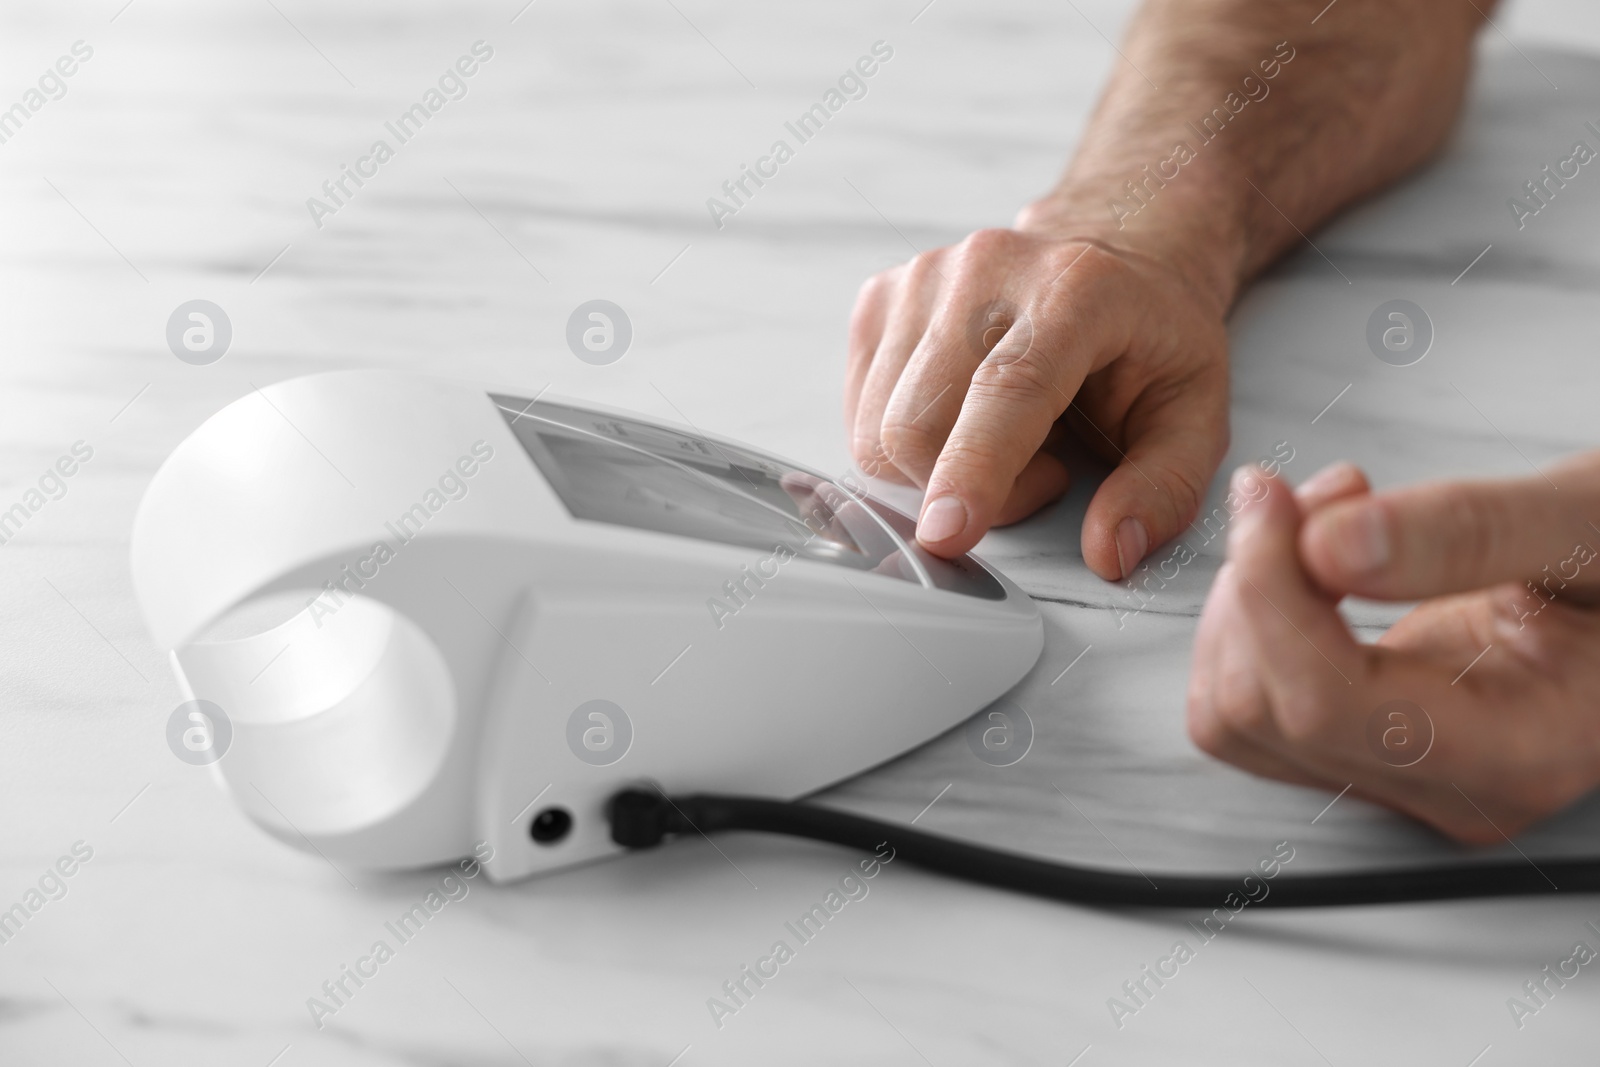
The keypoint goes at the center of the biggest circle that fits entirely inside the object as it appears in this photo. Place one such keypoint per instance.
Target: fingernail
(1328, 477)
(1132, 541)
(1248, 482)
(1358, 538)
(941, 520)
(1335, 480)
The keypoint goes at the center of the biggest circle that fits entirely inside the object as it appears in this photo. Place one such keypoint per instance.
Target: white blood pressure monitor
(436, 615)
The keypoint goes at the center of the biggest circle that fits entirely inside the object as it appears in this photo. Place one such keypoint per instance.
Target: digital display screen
(627, 472)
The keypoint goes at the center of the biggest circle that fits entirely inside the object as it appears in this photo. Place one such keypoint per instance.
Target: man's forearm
(1233, 126)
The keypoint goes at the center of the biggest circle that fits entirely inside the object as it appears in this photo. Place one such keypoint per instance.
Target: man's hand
(964, 361)
(1228, 130)
(1479, 712)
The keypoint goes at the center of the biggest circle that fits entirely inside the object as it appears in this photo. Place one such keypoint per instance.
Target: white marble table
(177, 166)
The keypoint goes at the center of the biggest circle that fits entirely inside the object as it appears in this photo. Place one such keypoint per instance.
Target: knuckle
(1208, 730)
(1014, 370)
(988, 242)
(971, 460)
(1308, 719)
(1240, 705)
(998, 321)
(875, 289)
(922, 269)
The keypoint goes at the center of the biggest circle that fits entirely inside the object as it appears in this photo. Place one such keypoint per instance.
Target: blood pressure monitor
(437, 615)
